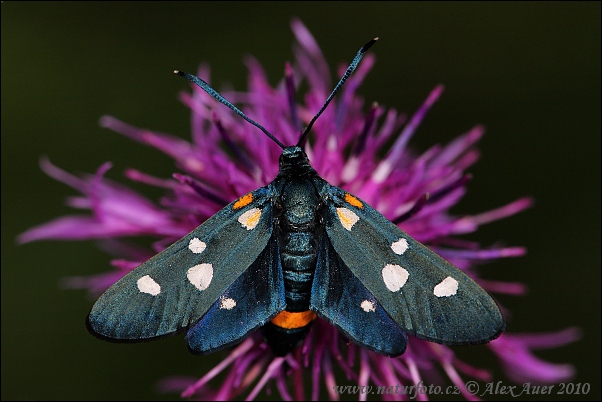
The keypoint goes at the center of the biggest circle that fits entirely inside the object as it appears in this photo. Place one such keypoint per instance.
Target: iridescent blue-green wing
(177, 287)
(338, 296)
(250, 302)
(423, 293)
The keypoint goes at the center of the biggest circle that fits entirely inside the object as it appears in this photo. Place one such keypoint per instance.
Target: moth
(281, 256)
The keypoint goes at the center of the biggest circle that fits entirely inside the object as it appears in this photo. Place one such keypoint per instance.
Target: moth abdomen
(299, 230)
(283, 340)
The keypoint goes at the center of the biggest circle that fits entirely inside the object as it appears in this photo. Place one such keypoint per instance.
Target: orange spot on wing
(243, 201)
(353, 201)
(288, 320)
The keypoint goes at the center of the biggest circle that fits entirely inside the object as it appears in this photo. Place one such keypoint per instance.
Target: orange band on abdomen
(288, 320)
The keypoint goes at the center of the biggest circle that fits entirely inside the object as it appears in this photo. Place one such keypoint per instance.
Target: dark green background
(529, 72)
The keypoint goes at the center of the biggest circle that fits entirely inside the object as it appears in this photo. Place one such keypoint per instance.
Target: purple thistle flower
(227, 158)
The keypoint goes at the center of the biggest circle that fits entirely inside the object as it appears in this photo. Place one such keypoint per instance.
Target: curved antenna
(356, 60)
(215, 95)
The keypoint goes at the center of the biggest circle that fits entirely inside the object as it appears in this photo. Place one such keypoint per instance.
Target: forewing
(176, 287)
(423, 293)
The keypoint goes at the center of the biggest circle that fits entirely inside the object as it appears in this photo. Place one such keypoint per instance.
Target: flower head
(365, 153)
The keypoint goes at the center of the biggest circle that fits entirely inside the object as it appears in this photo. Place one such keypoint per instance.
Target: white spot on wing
(227, 304)
(447, 287)
(395, 277)
(249, 219)
(146, 284)
(200, 275)
(347, 217)
(197, 246)
(400, 246)
(368, 306)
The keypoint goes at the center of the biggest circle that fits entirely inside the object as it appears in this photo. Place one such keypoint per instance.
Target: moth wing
(424, 294)
(176, 287)
(338, 296)
(251, 301)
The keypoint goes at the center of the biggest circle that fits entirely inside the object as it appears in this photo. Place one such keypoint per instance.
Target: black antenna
(215, 95)
(356, 60)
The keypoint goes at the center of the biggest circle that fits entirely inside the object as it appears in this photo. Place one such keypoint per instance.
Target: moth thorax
(299, 201)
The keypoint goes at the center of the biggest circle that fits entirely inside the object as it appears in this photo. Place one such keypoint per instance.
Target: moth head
(294, 162)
